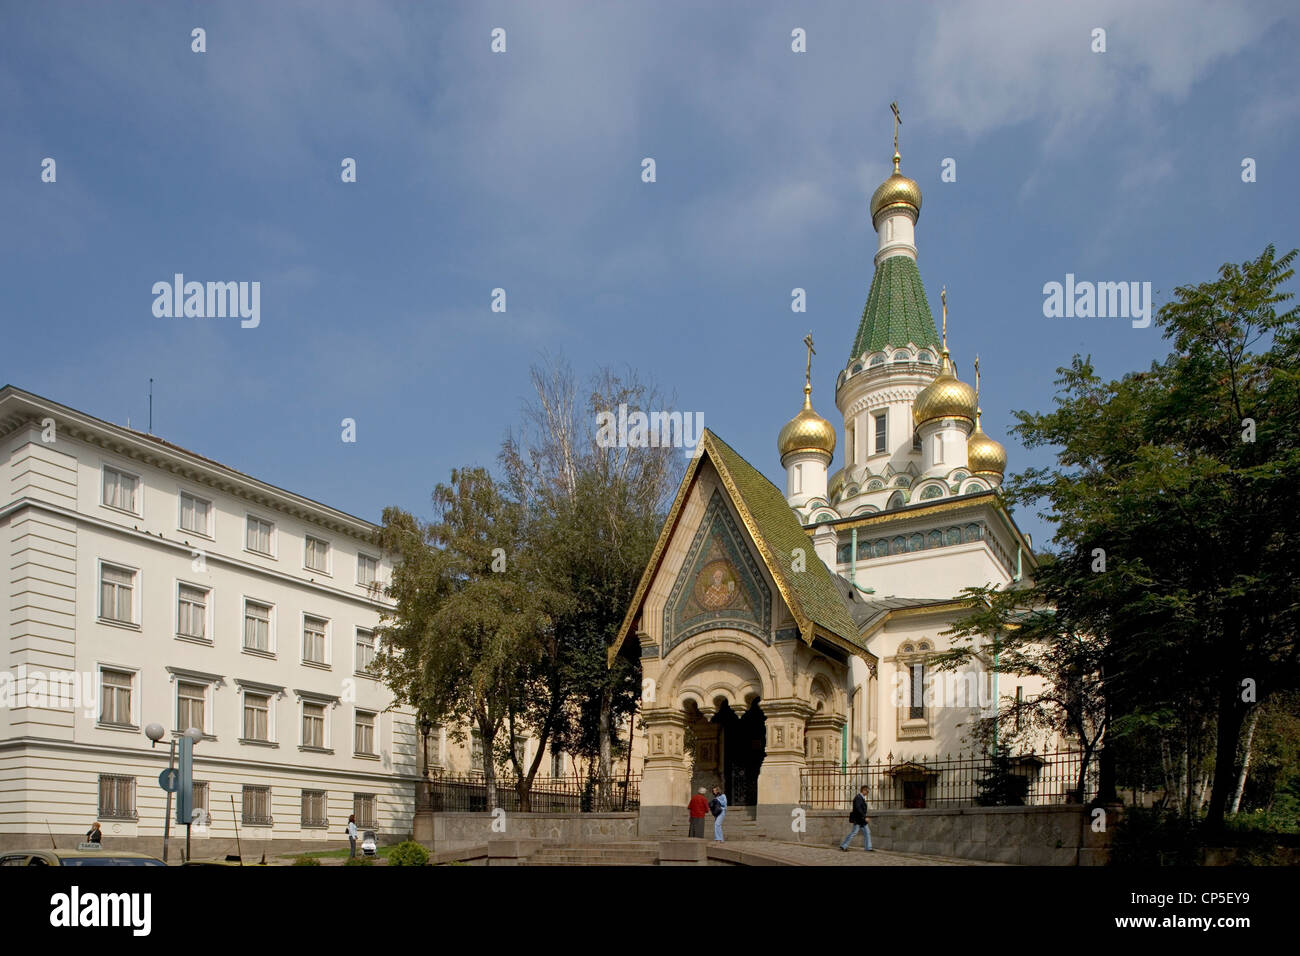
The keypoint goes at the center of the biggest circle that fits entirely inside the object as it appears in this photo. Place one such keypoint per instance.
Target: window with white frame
(363, 806)
(257, 716)
(257, 626)
(314, 809)
(317, 554)
(367, 569)
(115, 688)
(257, 805)
(475, 749)
(313, 725)
(365, 733)
(121, 490)
(259, 536)
(196, 514)
(192, 612)
(117, 586)
(313, 639)
(191, 705)
(200, 810)
(880, 419)
(365, 651)
(116, 797)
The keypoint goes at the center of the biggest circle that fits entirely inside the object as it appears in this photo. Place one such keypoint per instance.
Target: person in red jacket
(699, 808)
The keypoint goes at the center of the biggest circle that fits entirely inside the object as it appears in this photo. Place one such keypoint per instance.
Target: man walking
(699, 809)
(858, 817)
(718, 807)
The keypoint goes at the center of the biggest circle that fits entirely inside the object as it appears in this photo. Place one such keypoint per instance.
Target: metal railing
(896, 783)
(467, 793)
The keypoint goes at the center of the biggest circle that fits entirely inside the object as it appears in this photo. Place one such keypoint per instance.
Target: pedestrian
(858, 817)
(352, 835)
(699, 809)
(95, 834)
(718, 807)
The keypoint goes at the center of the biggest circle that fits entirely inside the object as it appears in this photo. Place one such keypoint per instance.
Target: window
(116, 797)
(895, 501)
(363, 805)
(365, 736)
(938, 448)
(931, 491)
(313, 640)
(313, 725)
(916, 441)
(200, 811)
(365, 651)
(190, 700)
(521, 750)
(557, 763)
(257, 717)
(117, 594)
(259, 536)
(877, 360)
(313, 809)
(115, 696)
(916, 711)
(475, 749)
(257, 806)
(192, 612)
(901, 356)
(317, 554)
(850, 447)
(924, 356)
(1020, 704)
(121, 491)
(196, 514)
(257, 626)
(367, 569)
(880, 432)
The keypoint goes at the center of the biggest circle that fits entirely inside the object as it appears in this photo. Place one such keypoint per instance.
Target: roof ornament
(807, 375)
(898, 120)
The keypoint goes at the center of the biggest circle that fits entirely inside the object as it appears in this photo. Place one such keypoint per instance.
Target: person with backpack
(858, 817)
(718, 807)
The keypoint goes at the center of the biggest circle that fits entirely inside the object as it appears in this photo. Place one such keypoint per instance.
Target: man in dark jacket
(858, 817)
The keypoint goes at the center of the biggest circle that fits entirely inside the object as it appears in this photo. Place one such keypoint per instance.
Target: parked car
(78, 857)
(369, 843)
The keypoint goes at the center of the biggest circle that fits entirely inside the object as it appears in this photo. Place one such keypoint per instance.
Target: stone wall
(1030, 836)
(448, 831)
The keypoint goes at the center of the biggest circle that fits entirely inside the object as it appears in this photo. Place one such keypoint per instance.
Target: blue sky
(522, 171)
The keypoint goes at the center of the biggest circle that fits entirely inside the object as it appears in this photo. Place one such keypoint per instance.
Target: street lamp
(426, 727)
(155, 732)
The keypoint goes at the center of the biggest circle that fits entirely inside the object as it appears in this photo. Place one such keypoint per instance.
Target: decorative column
(779, 780)
(665, 780)
(824, 732)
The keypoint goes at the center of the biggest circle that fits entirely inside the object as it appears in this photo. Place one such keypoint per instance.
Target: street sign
(185, 781)
(169, 780)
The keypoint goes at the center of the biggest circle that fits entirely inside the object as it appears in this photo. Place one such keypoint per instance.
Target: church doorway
(742, 744)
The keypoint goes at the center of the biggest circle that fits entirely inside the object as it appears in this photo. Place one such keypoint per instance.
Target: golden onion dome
(945, 397)
(896, 192)
(983, 454)
(807, 432)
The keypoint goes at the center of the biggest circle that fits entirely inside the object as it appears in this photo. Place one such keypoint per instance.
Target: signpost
(179, 781)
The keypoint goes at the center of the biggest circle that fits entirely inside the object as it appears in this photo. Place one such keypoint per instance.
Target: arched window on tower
(895, 501)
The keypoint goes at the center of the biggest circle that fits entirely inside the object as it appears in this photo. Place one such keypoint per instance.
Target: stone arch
(717, 665)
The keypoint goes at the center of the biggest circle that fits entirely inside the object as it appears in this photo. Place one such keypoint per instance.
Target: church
(786, 631)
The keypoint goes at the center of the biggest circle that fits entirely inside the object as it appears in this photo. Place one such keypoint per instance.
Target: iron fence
(898, 783)
(467, 793)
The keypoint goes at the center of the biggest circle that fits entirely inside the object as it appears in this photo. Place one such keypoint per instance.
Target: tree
(1172, 494)
(1002, 786)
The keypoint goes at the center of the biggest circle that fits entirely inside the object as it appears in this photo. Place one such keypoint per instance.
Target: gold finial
(943, 297)
(978, 410)
(897, 121)
(807, 379)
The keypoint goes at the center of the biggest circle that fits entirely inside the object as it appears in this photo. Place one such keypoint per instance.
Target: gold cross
(977, 377)
(808, 341)
(943, 297)
(897, 120)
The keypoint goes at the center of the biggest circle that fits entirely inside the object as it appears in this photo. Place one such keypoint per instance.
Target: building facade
(783, 631)
(147, 584)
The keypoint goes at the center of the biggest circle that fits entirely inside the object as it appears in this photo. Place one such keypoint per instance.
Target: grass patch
(382, 851)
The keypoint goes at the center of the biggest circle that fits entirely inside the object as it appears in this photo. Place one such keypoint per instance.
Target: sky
(522, 170)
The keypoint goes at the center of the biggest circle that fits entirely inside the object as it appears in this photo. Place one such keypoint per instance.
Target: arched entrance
(742, 743)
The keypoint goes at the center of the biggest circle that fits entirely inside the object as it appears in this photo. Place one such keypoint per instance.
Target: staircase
(738, 827)
(596, 854)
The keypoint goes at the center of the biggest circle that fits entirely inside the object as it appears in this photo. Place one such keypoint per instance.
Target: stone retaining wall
(449, 831)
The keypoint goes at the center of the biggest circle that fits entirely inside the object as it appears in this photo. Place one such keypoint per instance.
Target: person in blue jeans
(858, 817)
(718, 807)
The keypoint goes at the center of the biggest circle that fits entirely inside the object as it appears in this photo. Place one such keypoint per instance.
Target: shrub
(358, 861)
(306, 861)
(409, 853)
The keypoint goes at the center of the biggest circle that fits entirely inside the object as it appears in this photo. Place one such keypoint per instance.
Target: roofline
(144, 445)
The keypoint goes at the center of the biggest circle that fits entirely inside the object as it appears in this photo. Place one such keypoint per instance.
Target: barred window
(115, 696)
(257, 805)
(365, 735)
(257, 626)
(257, 712)
(192, 612)
(313, 640)
(363, 806)
(116, 797)
(199, 809)
(313, 809)
(190, 699)
(916, 710)
(117, 594)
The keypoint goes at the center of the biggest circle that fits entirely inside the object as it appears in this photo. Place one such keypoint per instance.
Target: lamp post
(155, 732)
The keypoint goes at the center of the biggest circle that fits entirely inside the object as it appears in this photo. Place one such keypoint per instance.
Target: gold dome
(896, 192)
(807, 432)
(945, 397)
(983, 454)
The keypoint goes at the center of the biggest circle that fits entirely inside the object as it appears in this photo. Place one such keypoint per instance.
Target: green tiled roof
(896, 312)
(782, 534)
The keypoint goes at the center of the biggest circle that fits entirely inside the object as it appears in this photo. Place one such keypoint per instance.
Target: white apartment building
(146, 584)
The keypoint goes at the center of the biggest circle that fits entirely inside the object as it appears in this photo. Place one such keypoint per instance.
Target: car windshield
(109, 861)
